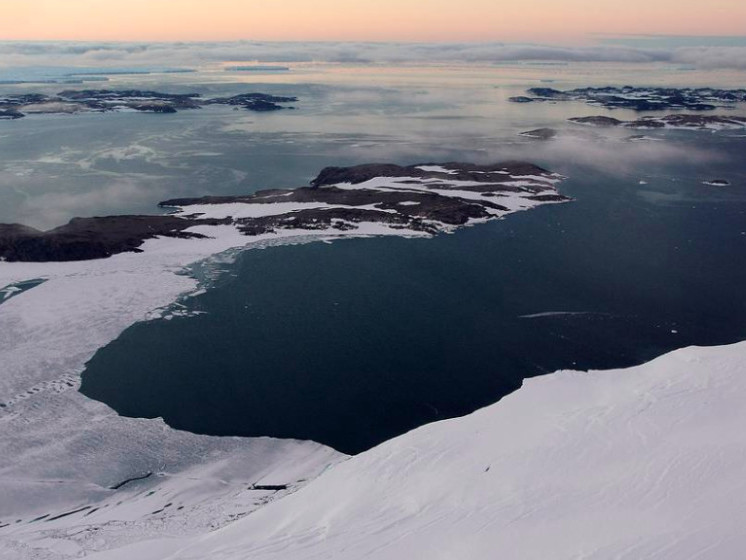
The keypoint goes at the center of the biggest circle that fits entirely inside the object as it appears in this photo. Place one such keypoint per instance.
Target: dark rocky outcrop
(546, 93)
(355, 175)
(640, 98)
(90, 238)
(420, 198)
(521, 99)
(154, 107)
(418, 207)
(706, 122)
(597, 120)
(102, 100)
(25, 99)
(254, 101)
(540, 133)
(9, 114)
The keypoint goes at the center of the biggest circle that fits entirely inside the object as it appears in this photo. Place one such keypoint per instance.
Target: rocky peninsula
(367, 199)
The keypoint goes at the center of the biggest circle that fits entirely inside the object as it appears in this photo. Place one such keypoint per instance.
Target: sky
(570, 21)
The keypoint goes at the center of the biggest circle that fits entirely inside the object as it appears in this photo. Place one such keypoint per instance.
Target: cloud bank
(193, 54)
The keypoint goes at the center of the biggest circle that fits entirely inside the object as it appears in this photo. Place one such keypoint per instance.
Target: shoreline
(54, 433)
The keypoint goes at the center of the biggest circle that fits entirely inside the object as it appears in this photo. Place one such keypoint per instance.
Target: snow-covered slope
(639, 463)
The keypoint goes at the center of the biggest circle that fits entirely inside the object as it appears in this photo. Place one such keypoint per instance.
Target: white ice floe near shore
(63, 453)
(75, 478)
(639, 463)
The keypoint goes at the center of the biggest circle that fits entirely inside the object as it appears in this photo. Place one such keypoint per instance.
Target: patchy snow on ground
(522, 198)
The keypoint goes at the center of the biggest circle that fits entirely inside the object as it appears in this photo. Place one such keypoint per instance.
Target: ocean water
(357, 341)
(56, 167)
(354, 342)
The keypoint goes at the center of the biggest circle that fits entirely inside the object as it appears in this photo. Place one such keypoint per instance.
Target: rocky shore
(424, 199)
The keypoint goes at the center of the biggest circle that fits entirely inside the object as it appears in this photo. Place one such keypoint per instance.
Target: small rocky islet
(540, 133)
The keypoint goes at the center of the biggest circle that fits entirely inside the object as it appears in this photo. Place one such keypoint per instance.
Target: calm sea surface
(354, 342)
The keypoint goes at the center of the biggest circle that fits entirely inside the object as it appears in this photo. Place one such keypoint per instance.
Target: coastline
(130, 441)
(642, 462)
(73, 460)
(131, 287)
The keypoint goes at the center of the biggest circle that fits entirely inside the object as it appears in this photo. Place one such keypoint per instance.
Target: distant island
(366, 199)
(679, 120)
(540, 133)
(640, 98)
(104, 100)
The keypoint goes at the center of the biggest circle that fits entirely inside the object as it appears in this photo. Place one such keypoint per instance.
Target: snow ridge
(639, 463)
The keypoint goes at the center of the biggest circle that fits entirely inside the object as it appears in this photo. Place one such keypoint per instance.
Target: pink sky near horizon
(358, 20)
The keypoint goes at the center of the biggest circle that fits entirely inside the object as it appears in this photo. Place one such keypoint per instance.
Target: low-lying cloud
(52, 209)
(191, 54)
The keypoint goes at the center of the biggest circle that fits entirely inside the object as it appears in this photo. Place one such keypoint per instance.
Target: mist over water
(55, 167)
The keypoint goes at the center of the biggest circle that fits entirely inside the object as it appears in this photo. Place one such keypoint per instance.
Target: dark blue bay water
(355, 342)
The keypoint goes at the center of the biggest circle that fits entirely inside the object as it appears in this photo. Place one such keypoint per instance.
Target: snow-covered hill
(638, 463)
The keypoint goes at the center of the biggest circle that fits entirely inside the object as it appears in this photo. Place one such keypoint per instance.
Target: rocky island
(540, 133)
(9, 114)
(103, 100)
(640, 98)
(367, 199)
(677, 121)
